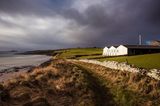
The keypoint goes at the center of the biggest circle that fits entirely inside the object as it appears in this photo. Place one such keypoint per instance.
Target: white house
(130, 50)
(112, 51)
(122, 50)
(115, 51)
(105, 51)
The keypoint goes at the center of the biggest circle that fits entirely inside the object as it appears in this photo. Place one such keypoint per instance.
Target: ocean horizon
(9, 60)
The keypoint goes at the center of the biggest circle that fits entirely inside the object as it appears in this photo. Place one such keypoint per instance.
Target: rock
(154, 73)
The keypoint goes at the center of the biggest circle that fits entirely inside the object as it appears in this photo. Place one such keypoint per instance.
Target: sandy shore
(13, 72)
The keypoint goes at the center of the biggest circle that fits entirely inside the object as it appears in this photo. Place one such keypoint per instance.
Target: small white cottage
(105, 51)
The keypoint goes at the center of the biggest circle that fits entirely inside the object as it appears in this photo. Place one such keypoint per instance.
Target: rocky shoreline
(15, 69)
(9, 73)
(12, 72)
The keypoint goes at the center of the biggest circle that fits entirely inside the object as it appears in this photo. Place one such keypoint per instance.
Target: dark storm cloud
(33, 7)
(100, 23)
(120, 22)
(154, 12)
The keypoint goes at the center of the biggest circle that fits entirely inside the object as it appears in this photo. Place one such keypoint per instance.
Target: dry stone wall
(154, 73)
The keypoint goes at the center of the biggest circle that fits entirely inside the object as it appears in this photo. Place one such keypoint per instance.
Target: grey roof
(142, 46)
(138, 46)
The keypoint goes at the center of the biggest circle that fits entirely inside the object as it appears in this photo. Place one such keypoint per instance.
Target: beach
(14, 65)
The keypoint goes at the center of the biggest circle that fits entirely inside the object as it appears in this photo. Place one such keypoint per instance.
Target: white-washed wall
(154, 73)
(122, 50)
(105, 51)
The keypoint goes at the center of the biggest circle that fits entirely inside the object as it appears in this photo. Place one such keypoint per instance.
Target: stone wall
(154, 73)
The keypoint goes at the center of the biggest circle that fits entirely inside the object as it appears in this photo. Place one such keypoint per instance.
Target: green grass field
(78, 53)
(147, 61)
(143, 61)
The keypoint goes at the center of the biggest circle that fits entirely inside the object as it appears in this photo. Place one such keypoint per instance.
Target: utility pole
(140, 40)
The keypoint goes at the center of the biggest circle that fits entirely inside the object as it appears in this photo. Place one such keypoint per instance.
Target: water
(9, 60)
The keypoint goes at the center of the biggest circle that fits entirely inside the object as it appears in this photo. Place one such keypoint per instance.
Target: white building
(130, 50)
(122, 50)
(112, 51)
(115, 51)
(105, 51)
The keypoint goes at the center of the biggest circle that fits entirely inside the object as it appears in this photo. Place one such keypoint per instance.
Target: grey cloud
(127, 19)
(34, 7)
(109, 22)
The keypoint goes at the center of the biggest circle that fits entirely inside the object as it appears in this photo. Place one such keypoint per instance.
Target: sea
(13, 59)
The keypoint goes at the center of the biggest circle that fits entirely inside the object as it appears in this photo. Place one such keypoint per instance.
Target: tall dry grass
(59, 83)
(129, 89)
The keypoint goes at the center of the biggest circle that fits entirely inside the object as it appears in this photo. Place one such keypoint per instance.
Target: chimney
(140, 40)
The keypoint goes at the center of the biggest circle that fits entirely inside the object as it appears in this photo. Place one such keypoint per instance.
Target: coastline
(62, 81)
(59, 83)
(13, 72)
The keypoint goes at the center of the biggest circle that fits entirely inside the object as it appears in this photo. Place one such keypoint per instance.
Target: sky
(54, 24)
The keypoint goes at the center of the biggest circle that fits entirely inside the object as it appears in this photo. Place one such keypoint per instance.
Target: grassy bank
(55, 83)
(127, 89)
